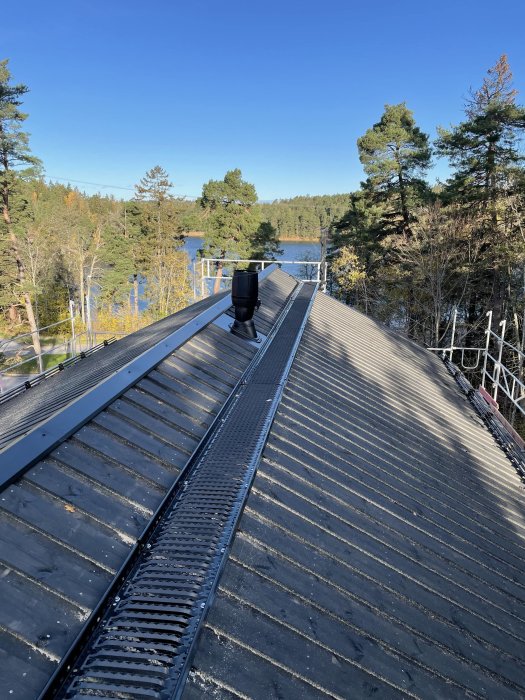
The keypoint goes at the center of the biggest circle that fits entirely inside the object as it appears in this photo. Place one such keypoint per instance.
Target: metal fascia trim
(39, 442)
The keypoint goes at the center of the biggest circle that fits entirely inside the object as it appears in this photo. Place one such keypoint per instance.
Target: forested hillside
(302, 218)
(117, 257)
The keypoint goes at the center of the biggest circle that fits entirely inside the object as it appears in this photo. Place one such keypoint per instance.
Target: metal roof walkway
(142, 646)
(81, 487)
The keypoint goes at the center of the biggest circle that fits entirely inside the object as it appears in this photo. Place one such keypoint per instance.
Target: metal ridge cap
(36, 444)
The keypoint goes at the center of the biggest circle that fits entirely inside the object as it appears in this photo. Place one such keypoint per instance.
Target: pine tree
(230, 219)
(484, 151)
(163, 234)
(16, 162)
(155, 188)
(485, 147)
(395, 155)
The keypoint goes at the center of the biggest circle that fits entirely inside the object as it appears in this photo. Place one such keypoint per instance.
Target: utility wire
(101, 184)
(281, 200)
(84, 182)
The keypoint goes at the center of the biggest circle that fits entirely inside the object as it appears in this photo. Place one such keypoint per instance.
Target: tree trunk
(411, 313)
(490, 188)
(136, 295)
(437, 326)
(404, 209)
(402, 192)
(82, 293)
(498, 296)
(14, 314)
(217, 285)
(34, 330)
(21, 278)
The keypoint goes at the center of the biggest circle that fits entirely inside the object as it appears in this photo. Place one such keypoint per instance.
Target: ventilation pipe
(245, 299)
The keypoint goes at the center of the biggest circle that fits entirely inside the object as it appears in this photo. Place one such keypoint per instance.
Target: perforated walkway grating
(143, 645)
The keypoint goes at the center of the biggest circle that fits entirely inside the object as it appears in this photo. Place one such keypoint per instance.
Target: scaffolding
(501, 364)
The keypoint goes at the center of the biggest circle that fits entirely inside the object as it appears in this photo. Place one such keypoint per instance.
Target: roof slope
(28, 409)
(24, 411)
(68, 524)
(381, 550)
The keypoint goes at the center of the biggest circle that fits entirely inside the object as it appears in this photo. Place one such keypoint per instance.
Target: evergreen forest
(401, 248)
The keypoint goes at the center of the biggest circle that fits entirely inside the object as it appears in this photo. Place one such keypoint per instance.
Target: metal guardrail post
(88, 315)
(453, 332)
(502, 378)
(487, 343)
(325, 276)
(503, 325)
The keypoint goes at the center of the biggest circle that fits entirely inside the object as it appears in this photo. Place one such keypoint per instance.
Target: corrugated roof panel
(382, 547)
(26, 410)
(68, 524)
(166, 589)
(22, 666)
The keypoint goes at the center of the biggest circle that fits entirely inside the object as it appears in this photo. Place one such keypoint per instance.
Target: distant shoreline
(293, 239)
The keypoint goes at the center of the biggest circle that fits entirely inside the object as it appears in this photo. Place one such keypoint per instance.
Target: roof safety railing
(77, 345)
(37, 378)
(313, 270)
(503, 368)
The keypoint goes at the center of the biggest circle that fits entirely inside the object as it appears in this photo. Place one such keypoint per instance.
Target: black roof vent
(245, 299)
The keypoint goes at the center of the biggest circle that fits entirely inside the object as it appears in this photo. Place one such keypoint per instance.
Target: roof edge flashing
(503, 433)
(21, 455)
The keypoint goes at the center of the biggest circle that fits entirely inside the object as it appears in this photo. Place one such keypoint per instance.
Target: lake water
(292, 251)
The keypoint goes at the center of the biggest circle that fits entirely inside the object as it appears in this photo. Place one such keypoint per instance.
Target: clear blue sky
(281, 89)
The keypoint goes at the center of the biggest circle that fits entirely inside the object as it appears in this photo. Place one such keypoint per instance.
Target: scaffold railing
(312, 270)
(501, 364)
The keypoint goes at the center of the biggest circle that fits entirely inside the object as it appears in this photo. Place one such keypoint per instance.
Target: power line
(114, 187)
(286, 201)
(85, 182)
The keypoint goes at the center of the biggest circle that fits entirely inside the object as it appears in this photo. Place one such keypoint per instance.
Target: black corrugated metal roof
(380, 553)
(68, 524)
(381, 550)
